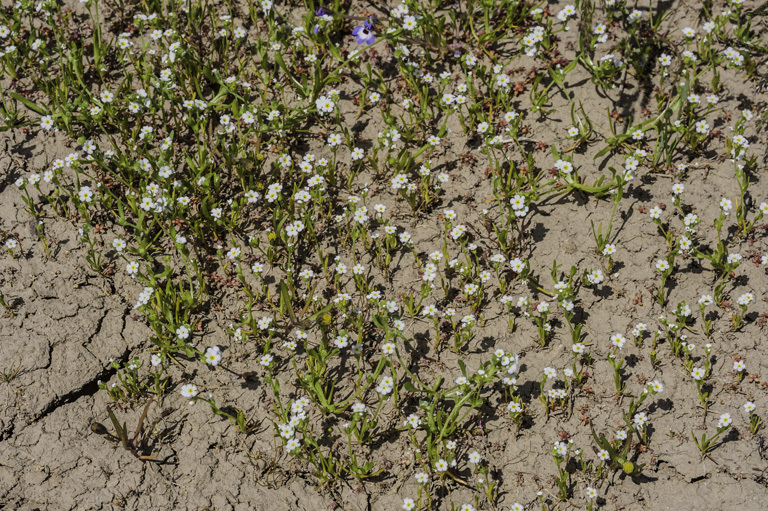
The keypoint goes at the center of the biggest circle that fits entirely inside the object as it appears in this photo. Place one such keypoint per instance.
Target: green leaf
(606, 150)
(281, 63)
(319, 313)
(320, 393)
(120, 430)
(409, 387)
(32, 106)
(377, 320)
(463, 367)
(285, 302)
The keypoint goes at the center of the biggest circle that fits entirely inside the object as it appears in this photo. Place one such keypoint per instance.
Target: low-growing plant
(136, 445)
(708, 444)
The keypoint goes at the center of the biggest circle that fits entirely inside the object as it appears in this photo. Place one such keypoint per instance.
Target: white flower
(702, 127)
(85, 194)
(264, 323)
(182, 332)
(413, 421)
(564, 166)
(409, 23)
(189, 390)
(118, 244)
(561, 448)
(385, 385)
(595, 276)
(517, 265)
(518, 202)
(46, 122)
(213, 355)
(292, 444)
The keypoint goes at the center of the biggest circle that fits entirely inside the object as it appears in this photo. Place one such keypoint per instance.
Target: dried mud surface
(68, 323)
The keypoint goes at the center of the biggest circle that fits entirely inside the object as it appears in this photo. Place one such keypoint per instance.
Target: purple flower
(364, 33)
(319, 13)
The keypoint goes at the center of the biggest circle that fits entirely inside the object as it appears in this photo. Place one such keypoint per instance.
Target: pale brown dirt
(69, 322)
